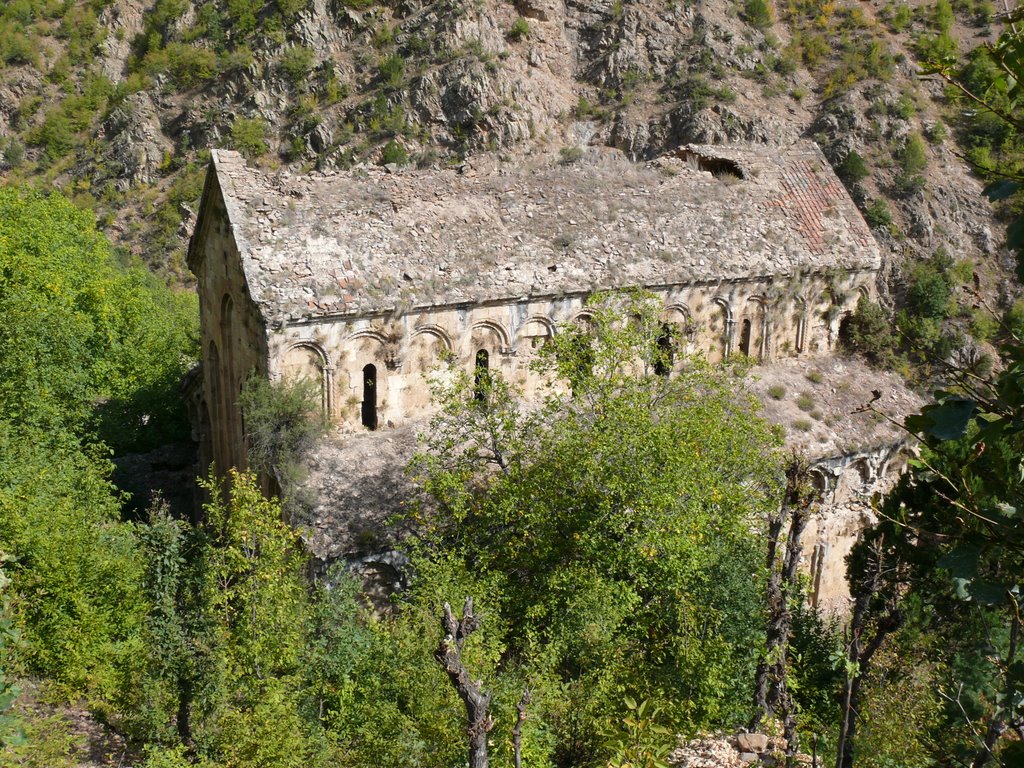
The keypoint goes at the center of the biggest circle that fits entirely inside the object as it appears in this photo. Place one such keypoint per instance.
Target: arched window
(481, 375)
(665, 352)
(370, 397)
(745, 337)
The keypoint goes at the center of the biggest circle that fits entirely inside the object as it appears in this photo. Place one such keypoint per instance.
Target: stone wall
(760, 317)
(234, 340)
(848, 484)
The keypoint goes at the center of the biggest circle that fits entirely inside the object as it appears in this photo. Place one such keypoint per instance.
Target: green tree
(75, 567)
(948, 553)
(79, 331)
(615, 522)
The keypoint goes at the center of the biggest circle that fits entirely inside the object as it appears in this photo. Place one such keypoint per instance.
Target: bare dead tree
(771, 694)
(517, 729)
(476, 700)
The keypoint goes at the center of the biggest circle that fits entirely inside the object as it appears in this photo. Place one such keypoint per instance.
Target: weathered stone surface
(751, 742)
(374, 240)
(136, 146)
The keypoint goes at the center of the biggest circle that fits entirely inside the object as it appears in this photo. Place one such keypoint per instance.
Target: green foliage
(394, 152)
(758, 14)
(877, 214)
(249, 136)
(654, 464)
(638, 740)
(869, 331)
(11, 733)
(913, 159)
(392, 71)
(519, 30)
(79, 330)
(297, 62)
(242, 16)
(964, 494)
(283, 420)
(853, 169)
(187, 66)
(75, 567)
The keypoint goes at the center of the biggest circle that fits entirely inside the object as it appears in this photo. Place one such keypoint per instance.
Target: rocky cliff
(118, 101)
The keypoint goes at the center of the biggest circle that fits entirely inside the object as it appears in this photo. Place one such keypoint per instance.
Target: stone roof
(379, 239)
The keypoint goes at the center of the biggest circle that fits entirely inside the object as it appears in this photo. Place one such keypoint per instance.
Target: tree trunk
(770, 692)
(475, 699)
(858, 660)
(517, 729)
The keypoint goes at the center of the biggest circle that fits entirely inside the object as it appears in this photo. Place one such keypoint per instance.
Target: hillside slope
(116, 101)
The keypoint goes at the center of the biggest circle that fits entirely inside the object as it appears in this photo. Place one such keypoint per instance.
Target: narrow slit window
(481, 374)
(745, 338)
(370, 397)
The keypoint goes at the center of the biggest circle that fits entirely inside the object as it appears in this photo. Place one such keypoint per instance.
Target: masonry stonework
(370, 281)
(366, 281)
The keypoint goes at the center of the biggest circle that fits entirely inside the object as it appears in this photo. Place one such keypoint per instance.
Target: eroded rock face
(136, 145)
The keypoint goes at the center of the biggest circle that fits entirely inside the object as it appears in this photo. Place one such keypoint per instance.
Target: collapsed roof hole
(717, 166)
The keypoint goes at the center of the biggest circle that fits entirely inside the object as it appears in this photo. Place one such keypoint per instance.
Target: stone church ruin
(365, 280)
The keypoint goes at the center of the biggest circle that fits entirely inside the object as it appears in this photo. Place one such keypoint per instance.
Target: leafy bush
(609, 463)
(877, 214)
(394, 152)
(186, 65)
(758, 14)
(283, 420)
(520, 29)
(868, 331)
(853, 169)
(79, 330)
(392, 71)
(297, 62)
(930, 288)
(249, 136)
(76, 568)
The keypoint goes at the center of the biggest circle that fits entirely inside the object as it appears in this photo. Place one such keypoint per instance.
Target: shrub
(815, 377)
(297, 62)
(758, 14)
(14, 153)
(929, 289)
(868, 331)
(55, 135)
(776, 392)
(283, 421)
(914, 156)
(936, 133)
(394, 152)
(570, 155)
(1015, 319)
(186, 65)
(803, 425)
(392, 71)
(853, 168)
(249, 136)
(905, 107)
(877, 214)
(805, 401)
(520, 28)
